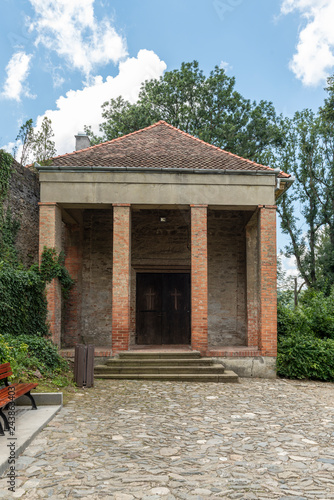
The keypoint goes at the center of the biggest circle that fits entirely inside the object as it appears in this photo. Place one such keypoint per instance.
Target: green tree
(207, 107)
(43, 145)
(25, 137)
(307, 210)
(36, 145)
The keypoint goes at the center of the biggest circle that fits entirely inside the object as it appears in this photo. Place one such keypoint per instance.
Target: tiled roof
(159, 146)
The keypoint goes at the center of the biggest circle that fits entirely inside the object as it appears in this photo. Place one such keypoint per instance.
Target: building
(170, 241)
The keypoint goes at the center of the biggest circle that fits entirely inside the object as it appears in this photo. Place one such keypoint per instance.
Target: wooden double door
(163, 308)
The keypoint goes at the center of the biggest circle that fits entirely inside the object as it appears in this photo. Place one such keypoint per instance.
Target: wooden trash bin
(84, 365)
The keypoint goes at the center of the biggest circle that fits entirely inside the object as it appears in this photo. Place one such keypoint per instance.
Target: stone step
(159, 355)
(163, 365)
(159, 362)
(108, 369)
(227, 376)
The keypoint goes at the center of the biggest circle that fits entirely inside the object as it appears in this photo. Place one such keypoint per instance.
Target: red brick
(121, 278)
(199, 278)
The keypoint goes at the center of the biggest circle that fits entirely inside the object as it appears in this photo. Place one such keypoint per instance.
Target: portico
(167, 238)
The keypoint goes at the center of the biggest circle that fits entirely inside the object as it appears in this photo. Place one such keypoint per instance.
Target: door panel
(149, 309)
(163, 308)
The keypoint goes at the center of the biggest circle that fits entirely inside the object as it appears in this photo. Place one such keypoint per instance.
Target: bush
(314, 315)
(319, 311)
(291, 321)
(302, 356)
(28, 353)
(13, 353)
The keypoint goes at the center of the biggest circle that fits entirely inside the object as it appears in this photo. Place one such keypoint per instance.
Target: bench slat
(5, 371)
(20, 390)
(13, 391)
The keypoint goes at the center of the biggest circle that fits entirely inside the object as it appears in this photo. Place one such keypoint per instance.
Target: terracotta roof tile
(159, 146)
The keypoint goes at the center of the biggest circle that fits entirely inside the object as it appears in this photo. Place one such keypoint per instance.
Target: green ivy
(8, 225)
(6, 161)
(9, 228)
(53, 266)
(23, 306)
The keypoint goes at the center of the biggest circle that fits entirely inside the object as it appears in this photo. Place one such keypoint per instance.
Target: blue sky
(64, 58)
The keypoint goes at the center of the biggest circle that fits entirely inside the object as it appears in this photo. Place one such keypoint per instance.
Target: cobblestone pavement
(125, 440)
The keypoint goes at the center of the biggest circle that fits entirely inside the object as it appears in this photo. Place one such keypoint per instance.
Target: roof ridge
(172, 127)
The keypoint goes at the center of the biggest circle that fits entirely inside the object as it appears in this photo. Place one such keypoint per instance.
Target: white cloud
(290, 272)
(70, 28)
(289, 266)
(314, 57)
(8, 147)
(83, 107)
(225, 66)
(17, 71)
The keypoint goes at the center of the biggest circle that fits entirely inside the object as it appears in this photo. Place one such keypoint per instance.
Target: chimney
(81, 141)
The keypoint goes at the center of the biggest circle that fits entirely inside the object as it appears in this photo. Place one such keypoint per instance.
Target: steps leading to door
(182, 366)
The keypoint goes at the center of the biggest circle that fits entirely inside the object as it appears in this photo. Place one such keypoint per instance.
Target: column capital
(273, 207)
(121, 205)
(47, 203)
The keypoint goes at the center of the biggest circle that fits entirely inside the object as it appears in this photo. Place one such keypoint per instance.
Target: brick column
(121, 278)
(199, 278)
(50, 236)
(267, 281)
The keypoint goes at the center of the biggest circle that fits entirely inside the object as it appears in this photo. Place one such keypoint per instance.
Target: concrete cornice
(85, 168)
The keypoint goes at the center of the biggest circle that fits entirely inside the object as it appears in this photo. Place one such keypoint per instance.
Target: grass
(60, 382)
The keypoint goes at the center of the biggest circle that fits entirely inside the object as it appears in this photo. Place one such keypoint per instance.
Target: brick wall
(97, 277)
(253, 302)
(227, 277)
(71, 317)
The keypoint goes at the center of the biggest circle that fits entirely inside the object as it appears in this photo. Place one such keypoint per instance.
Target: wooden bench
(11, 392)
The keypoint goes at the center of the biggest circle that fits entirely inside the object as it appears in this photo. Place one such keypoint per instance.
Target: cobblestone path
(123, 440)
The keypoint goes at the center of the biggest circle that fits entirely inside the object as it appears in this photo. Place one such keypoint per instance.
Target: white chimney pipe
(81, 141)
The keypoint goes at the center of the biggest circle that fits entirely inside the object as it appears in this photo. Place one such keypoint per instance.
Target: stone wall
(23, 201)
